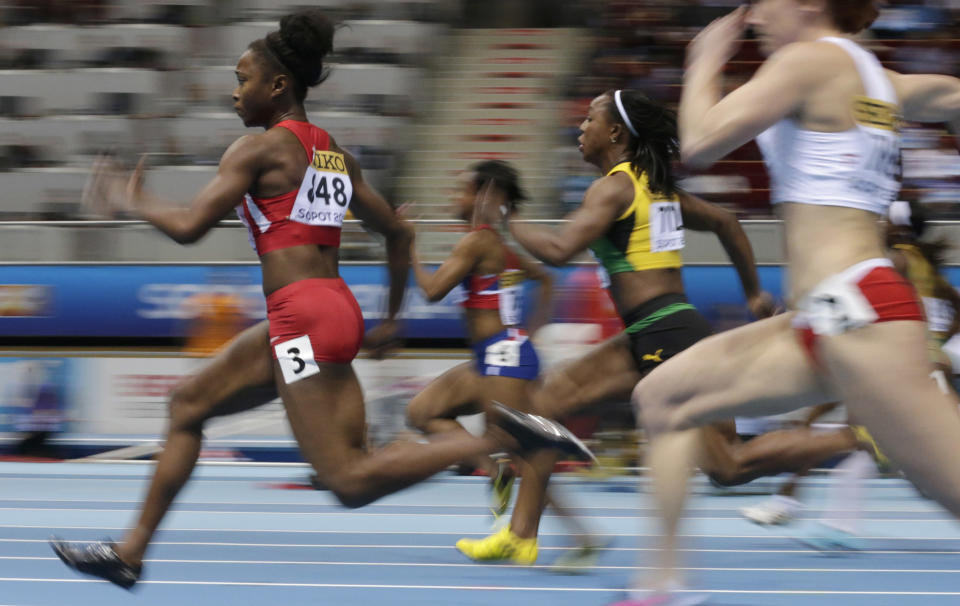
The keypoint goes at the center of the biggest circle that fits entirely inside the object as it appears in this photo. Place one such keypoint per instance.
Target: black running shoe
(535, 432)
(97, 559)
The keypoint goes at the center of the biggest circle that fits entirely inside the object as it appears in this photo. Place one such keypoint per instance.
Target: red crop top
(503, 291)
(312, 214)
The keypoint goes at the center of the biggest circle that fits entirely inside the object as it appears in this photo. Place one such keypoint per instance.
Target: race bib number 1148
(325, 192)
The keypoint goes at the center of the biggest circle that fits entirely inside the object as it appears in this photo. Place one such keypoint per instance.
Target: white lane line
(450, 546)
(540, 567)
(732, 507)
(767, 536)
(356, 514)
(492, 587)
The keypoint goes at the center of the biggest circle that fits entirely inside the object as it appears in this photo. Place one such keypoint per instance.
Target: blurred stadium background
(94, 314)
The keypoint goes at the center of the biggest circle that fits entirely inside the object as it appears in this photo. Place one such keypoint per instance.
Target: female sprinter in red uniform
(293, 184)
(493, 277)
(827, 117)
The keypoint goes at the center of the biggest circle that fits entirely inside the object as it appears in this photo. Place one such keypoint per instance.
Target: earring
(613, 140)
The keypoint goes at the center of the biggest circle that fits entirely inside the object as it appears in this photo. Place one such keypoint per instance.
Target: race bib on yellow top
(666, 227)
(325, 192)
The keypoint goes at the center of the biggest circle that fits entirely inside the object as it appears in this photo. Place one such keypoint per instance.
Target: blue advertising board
(151, 300)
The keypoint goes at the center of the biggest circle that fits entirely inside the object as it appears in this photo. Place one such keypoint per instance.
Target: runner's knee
(351, 488)
(556, 397)
(418, 415)
(729, 473)
(652, 405)
(187, 405)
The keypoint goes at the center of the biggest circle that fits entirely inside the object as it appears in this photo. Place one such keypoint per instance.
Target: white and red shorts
(312, 321)
(866, 293)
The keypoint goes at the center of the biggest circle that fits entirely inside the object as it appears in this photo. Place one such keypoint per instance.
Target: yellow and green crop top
(648, 235)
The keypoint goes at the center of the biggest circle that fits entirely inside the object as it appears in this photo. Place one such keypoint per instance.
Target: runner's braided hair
(655, 147)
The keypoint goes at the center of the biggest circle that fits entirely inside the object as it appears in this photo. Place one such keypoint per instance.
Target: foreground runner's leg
(839, 526)
(239, 377)
(720, 377)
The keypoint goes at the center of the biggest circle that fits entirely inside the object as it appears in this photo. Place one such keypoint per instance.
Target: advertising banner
(117, 396)
(34, 394)
(156, 300)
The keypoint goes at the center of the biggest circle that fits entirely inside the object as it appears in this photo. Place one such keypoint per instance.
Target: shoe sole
(59, 546)
(564, 442)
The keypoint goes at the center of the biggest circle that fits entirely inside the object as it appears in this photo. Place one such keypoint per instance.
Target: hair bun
(309, 36)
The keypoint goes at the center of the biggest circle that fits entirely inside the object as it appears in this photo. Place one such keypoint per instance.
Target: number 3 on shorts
(296, 359)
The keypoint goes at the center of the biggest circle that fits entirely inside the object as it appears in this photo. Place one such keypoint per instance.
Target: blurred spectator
(640, 44)
(180, 68)
(76, 12)
(173, 73)
(218, 314)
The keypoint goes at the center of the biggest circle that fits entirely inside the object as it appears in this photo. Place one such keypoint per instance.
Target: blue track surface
(236, 539)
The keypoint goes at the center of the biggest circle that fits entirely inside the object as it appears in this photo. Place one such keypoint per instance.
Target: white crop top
(857, 168)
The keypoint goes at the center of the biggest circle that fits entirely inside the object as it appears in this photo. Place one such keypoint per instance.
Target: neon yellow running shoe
(502, 546)
(870, 445)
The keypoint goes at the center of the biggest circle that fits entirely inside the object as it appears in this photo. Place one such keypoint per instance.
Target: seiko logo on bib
(329, 161)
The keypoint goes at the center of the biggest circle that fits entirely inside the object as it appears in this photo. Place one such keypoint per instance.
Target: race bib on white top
(666, 227)
(325, 192)
(836, 306)
(511, 297)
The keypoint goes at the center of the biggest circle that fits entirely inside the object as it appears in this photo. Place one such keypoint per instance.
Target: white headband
(899, 213)
(623, 114)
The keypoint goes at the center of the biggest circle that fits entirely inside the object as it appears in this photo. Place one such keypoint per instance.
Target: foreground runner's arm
(712, 124)
(435, 285)
(239, 166)
(544, 308)
(700, 215)
(377, 214)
